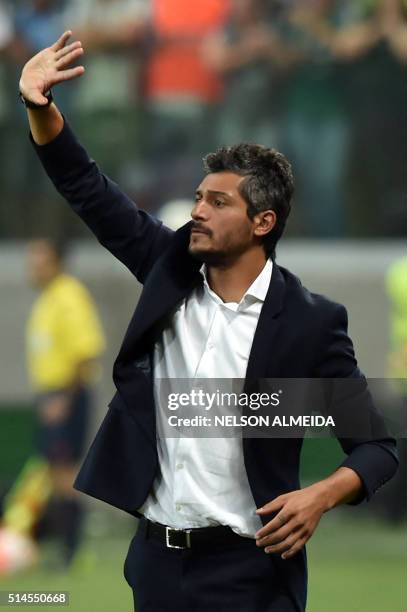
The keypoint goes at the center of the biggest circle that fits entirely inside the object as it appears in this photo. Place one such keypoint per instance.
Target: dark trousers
(239, 577)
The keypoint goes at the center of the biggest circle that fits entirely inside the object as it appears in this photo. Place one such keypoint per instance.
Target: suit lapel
(173, 277)
(263, 355)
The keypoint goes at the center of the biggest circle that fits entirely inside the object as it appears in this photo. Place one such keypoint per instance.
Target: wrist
(325, 494)
(341, 487)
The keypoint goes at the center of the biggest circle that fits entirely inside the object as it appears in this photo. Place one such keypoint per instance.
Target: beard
(216, 252)
(211, 258)
(219, 258)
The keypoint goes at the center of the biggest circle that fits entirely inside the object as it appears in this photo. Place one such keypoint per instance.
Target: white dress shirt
(203, 481)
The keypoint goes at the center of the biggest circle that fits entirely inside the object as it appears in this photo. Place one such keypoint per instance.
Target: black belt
(197, 538)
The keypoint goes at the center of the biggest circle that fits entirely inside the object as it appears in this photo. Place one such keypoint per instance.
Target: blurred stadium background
(168, 80)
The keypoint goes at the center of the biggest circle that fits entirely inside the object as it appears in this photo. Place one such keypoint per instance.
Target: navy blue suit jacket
(299, 335)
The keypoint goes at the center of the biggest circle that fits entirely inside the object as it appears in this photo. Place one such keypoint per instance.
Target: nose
(200, 211)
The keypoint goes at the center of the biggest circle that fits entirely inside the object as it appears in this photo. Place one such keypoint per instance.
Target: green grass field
(354, 566)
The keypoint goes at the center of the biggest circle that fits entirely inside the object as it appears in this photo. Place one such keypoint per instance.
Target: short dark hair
(269, 182)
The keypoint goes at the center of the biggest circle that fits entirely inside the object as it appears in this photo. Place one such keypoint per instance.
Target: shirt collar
(259, 287)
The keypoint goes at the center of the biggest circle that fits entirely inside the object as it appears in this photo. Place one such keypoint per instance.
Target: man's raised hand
(50, 67)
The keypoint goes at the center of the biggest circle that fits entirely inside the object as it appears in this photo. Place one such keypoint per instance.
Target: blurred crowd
(324, 81)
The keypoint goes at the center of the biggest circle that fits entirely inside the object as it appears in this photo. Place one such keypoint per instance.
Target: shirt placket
(202, 371)
(209, 345)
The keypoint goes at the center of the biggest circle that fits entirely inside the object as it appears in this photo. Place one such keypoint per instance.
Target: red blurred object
(180, 17)
(175, 67)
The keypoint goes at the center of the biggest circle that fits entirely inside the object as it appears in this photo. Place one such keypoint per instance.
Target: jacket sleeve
(371, 450)
(132, 235)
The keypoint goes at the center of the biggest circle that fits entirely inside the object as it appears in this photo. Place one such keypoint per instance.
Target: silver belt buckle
(167, 538)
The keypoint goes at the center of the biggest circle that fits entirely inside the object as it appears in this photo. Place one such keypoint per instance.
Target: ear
(264, 222)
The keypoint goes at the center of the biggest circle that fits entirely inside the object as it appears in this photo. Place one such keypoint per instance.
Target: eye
(197, 197)
(219, 203)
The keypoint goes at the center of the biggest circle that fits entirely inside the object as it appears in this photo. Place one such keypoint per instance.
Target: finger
(72, 73)
(69, 58)
(277, 536)
(280, 519)
(285, 545)
(295, 548)
(272, 506)
(67, 49)
(60, 43)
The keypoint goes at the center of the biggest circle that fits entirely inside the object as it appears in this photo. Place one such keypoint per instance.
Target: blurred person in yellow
(396, 285)
(64, 340)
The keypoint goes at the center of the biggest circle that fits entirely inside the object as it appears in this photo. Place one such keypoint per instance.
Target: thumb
(32, 93)
(36, 96)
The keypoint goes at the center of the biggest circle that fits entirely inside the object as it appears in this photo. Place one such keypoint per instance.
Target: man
(64, 342)
(200, 543)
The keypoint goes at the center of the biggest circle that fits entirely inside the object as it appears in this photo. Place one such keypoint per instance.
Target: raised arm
(43, 71)
(347, 42)
(132, 235)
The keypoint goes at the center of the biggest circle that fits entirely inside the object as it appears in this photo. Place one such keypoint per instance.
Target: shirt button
(210, 346)
(178, 507)
(180, 466)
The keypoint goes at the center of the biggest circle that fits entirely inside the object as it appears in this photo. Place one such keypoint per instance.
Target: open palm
(49, 67)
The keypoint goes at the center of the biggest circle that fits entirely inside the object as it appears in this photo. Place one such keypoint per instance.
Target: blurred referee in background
(64, 341)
